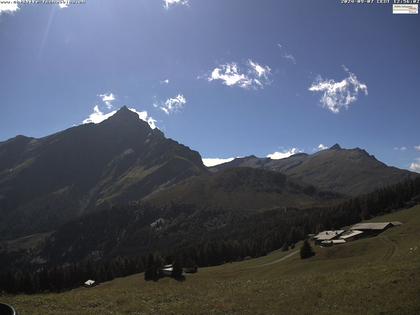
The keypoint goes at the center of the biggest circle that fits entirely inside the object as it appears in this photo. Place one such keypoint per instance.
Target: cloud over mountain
(98, 116)
(173, 104)
(415, 166)
(107, 99)
(209, 162)
(339, 95)
(284, 154)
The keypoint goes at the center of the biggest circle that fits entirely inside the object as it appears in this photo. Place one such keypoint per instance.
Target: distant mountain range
(348, 172)
(47, 182)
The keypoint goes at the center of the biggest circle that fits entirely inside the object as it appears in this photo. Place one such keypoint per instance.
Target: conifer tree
(177, 269)
(150, 272)
(306, 250)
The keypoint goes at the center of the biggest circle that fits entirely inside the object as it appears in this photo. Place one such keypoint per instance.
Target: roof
(350, 234)
(328, 235)
(396, 223)
(371, 226)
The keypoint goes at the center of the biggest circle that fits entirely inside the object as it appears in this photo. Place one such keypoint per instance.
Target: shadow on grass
(180, 278)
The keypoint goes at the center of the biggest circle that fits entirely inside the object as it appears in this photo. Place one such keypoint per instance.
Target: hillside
(221, 206)
(346, 171)
(244, 188)
(371, 276)
(49, 181)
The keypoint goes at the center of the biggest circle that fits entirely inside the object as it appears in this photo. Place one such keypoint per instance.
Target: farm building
(396, 223)
(166, 270)
(332, 242)
(351, 235)
(90, 283)
(374, 228)
(327, 236)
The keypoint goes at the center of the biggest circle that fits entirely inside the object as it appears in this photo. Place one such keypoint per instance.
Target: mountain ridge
(49, 181)
(345, 171)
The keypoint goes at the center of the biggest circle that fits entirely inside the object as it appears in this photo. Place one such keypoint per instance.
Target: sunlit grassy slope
(379, 275)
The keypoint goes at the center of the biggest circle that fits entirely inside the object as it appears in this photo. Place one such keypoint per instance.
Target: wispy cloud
(415, 166)
(339, 95)
(98, 116)
(108, 99)
(166, 81)
(251, 75)
(286, 55)
(173, 104)
(290, 57)
(209, 162)
(168, 3)
(284, 154)
(8, 8)
(417, 147)
(400, 148)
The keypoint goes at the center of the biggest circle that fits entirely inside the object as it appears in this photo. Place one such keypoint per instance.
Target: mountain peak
(335, 147)
(126, 113)
(125, 116)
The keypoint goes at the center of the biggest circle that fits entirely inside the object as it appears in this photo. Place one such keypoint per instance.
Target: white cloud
(284, 154)
(229, 74)
(98, 116)
(322, 147)
(400, 148)
(145, 117)
(63, 4)
(164, 81)
(173, 104)
(260, 71)
(209, 162)
(8, 8)
(415, 166)
(254, 75)
(339, 95)
(169, 3)
(107, 99)
(417, 147)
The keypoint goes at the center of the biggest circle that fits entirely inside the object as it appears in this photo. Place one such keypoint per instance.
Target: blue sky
(227, 78)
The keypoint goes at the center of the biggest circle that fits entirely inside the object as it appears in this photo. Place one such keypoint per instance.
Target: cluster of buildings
(167, 270)
(360, 230)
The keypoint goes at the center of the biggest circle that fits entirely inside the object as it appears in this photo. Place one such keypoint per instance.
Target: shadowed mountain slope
(244, 188)
(45, 182)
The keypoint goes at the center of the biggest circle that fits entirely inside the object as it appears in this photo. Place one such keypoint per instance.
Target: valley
(378, 274)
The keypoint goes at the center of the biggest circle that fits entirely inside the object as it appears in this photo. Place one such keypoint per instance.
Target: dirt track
(280, 259)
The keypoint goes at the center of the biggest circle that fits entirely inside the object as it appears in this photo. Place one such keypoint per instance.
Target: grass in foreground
(379, 275)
